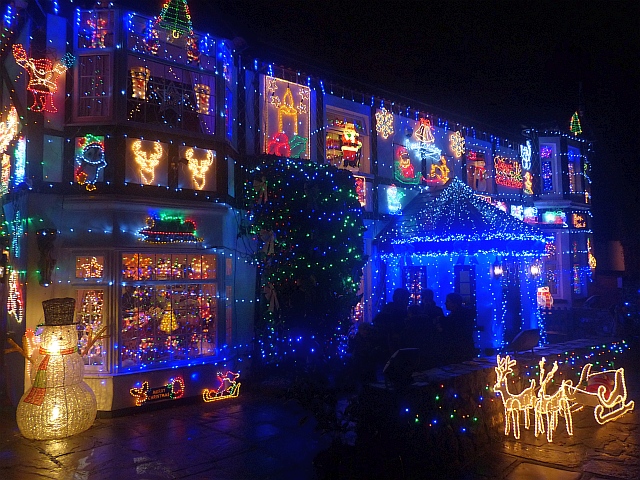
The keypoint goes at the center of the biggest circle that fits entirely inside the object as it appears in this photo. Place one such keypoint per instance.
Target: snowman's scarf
(39, 387)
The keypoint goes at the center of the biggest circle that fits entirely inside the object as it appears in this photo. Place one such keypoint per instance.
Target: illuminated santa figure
(43, 75)
(351, 146)
(59, 403)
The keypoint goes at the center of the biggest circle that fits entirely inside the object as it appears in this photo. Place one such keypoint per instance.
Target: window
(547, 155)
(415, 280)
(89, 267)
(347, 140)
(476, 171)
(168, 95)
(168, 317)
(465, 284)
(95, 29)
(94, 86)
(90, 318)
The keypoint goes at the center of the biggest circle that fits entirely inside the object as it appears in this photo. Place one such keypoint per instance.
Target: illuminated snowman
(59, 403)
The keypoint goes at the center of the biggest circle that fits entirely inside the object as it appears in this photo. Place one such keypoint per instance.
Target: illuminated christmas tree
(176, 18)
(308, 220)
(575, 127)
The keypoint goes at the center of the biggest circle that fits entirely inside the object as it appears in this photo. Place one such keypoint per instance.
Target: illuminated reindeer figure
(513, 404)
(552, 405)
(147, 161)
(592, 391)
(199, 167)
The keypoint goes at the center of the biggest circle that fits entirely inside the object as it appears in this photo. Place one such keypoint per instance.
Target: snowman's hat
(59, 311)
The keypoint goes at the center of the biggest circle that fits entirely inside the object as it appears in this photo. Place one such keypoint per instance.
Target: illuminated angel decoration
(43, 74)
(147, 161)
(199, 167)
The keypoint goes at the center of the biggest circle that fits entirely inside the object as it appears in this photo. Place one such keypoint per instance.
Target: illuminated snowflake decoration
(384, 123)
(457, 144)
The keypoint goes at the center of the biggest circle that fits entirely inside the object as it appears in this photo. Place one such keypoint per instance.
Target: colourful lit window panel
(546, 151)
(90, 318)
(95, 28)
(146, 162)
(476, 171)
(165, 323)
(168, 266)
(554, 217)
(286, 115)
(577, 280)
(171, 96)
(508, 173)
(530, 215)
(197, 168)
(547, 176)
(361, 190)
(572, 178)
(89, 267)
(579, 220)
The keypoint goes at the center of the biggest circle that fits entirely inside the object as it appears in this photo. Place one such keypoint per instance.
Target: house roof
(456, 221)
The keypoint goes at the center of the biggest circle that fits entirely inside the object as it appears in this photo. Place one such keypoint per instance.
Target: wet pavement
(263, 436)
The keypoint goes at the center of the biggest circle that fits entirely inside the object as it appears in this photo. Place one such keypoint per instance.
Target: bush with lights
(308, 222)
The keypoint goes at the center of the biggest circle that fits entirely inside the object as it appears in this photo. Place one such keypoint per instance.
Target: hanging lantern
(59, 403)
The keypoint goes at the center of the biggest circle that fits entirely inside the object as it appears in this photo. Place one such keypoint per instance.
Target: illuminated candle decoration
(286, 114)
(199, 167)
(203, 97)
(139, 80)
(15, 304)
(423, 131)
(574, 125)
(351, 146)
(147, 161)
(59, 402)
(89, 160)
(361, 190)
(43, 76)
(168, 229)
(228, 387)
(525, 155)
(384, 123)
(508, 172)
(171, 391)
(394, 198)
(591, 258)
(457, 144)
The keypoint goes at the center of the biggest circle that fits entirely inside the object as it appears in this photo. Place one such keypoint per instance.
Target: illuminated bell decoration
(423, 132)
(139, 81)
(43, 74)
(59, 403)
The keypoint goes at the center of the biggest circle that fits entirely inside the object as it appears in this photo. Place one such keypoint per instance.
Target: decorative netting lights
(59, 403)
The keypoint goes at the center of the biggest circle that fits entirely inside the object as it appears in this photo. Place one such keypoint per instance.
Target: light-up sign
(508, 172)
(525, 155)
(579, 220)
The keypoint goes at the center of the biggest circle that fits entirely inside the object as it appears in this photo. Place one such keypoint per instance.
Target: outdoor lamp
(535, 270)
(496, 269)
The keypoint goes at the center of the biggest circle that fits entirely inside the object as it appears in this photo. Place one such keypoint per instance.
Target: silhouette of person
(457, 331)
(391, 319)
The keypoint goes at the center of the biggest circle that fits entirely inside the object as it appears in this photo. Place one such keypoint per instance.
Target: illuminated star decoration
(199, 167)
(457, 144)
(43, 75)
(384, 123)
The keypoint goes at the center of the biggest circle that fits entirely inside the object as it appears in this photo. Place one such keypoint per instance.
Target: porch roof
(456, 222)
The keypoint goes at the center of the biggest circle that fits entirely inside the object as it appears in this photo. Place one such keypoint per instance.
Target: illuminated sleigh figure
(229, 388)
(606, 391)
(514, 404)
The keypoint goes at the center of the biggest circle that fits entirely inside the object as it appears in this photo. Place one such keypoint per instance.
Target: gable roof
(456, 221)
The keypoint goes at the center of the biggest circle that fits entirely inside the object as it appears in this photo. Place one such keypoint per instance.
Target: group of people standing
(440, 339)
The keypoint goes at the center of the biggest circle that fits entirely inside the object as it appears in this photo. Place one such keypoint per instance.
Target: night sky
(492, 65)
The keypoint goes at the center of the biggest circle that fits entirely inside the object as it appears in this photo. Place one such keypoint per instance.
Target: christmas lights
(59, 403)
(228, 387)
(89, 160)
(43, 75)
(147, 161)
(351, 146)
(89, 267)
(384, 123)
(9, 129)
(439, 171)
(423, 132)
(514, 404)
(15, 304)
(203, 97)
(550, 407)
(199, 167)
(508, 172)
(173, 390)
(166, 229)
(457, 144)
(574, 125)
(140, 81)
(404, 170)
(394, 198)
(525, 155)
